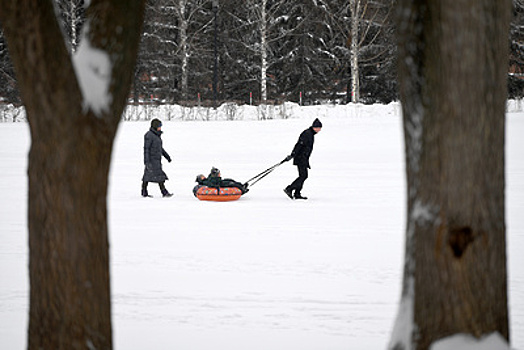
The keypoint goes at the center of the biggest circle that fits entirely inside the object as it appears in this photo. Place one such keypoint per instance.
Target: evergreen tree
(8, 84)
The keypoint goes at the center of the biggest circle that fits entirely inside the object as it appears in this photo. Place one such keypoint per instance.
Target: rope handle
(263, 174)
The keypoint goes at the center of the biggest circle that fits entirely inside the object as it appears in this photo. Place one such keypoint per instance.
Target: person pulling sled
(208, 188)
(300, 155)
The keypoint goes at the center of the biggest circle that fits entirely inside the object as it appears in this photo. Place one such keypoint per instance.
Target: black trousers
(160, 184)
(302, 176)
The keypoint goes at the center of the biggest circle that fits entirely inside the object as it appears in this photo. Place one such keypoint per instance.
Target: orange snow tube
(222, 194)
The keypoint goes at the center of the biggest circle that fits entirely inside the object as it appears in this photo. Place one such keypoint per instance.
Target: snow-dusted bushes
(226, 111)
(144, 112)
(513, 106)
(233, 111)
(10, 113)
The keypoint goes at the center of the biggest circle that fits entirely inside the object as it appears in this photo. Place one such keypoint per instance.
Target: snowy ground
(264, 272)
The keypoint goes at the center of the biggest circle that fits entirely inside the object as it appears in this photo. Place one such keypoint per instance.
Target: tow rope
(263, 174)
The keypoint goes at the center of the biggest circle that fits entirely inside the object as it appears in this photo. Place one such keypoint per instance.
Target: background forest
(264, 51)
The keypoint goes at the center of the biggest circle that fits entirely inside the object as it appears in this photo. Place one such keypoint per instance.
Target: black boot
(289, 192)
(299, 196)
(166, 194)
(144, 190)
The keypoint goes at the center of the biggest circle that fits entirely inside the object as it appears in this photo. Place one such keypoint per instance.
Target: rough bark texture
(264, 47)
(69, 160)
(453, 58)
(355, 43)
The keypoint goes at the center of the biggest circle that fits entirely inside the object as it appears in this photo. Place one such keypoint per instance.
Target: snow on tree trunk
(184, 52)
(355, 11)
(74, 22)
(453, 69)
(263, 53)
(71, 144)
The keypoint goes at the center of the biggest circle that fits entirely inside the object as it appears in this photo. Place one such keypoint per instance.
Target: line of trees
(263, 51)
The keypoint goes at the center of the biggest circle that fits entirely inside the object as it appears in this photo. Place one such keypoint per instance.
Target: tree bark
(263, 52)
(74, 23)
(453, 68)
(69, 160)
(355, 73)
(184, 50)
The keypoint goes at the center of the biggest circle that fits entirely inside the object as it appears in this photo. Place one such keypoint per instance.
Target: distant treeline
(204, 52)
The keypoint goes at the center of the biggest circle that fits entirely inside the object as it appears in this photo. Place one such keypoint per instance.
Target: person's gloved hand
(149, 167)
(288, 158)
(169, 159)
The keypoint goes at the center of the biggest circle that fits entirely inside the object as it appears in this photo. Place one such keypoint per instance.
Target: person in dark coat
(153, 152)
(300, 155)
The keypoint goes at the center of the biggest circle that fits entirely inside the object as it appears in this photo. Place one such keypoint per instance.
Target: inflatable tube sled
(214, 188)
(221, 194)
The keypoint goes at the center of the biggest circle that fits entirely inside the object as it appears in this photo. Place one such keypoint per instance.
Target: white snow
(93, 70)
(466, 342)
(414, 132)
(423, 213)
(263, 272)
(404, 324)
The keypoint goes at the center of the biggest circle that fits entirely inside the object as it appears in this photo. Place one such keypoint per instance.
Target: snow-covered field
(264, 272)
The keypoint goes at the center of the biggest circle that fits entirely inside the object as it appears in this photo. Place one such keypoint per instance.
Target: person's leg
(299, 182)
(144, 189)
(289, 189)
(165, 193)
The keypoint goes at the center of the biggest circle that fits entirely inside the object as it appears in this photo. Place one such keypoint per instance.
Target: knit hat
(155, 123)
(317, 123)
(214, 172)
(200, 178)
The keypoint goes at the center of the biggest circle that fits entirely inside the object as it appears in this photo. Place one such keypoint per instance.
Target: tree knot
(459, 239)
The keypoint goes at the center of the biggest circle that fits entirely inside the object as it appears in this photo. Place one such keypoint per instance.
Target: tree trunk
(74, 23)
(263, 52)
(355, 13)
(184, 51)
(453, 66)
(69, 255)
(70, 305)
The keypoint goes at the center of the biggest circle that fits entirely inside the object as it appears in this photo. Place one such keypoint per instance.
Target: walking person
(153, 152)
(300, 155)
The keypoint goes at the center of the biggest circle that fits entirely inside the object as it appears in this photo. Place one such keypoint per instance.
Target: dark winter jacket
(216, 181)
(212, 181)
(303, 148)
(153, 153)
